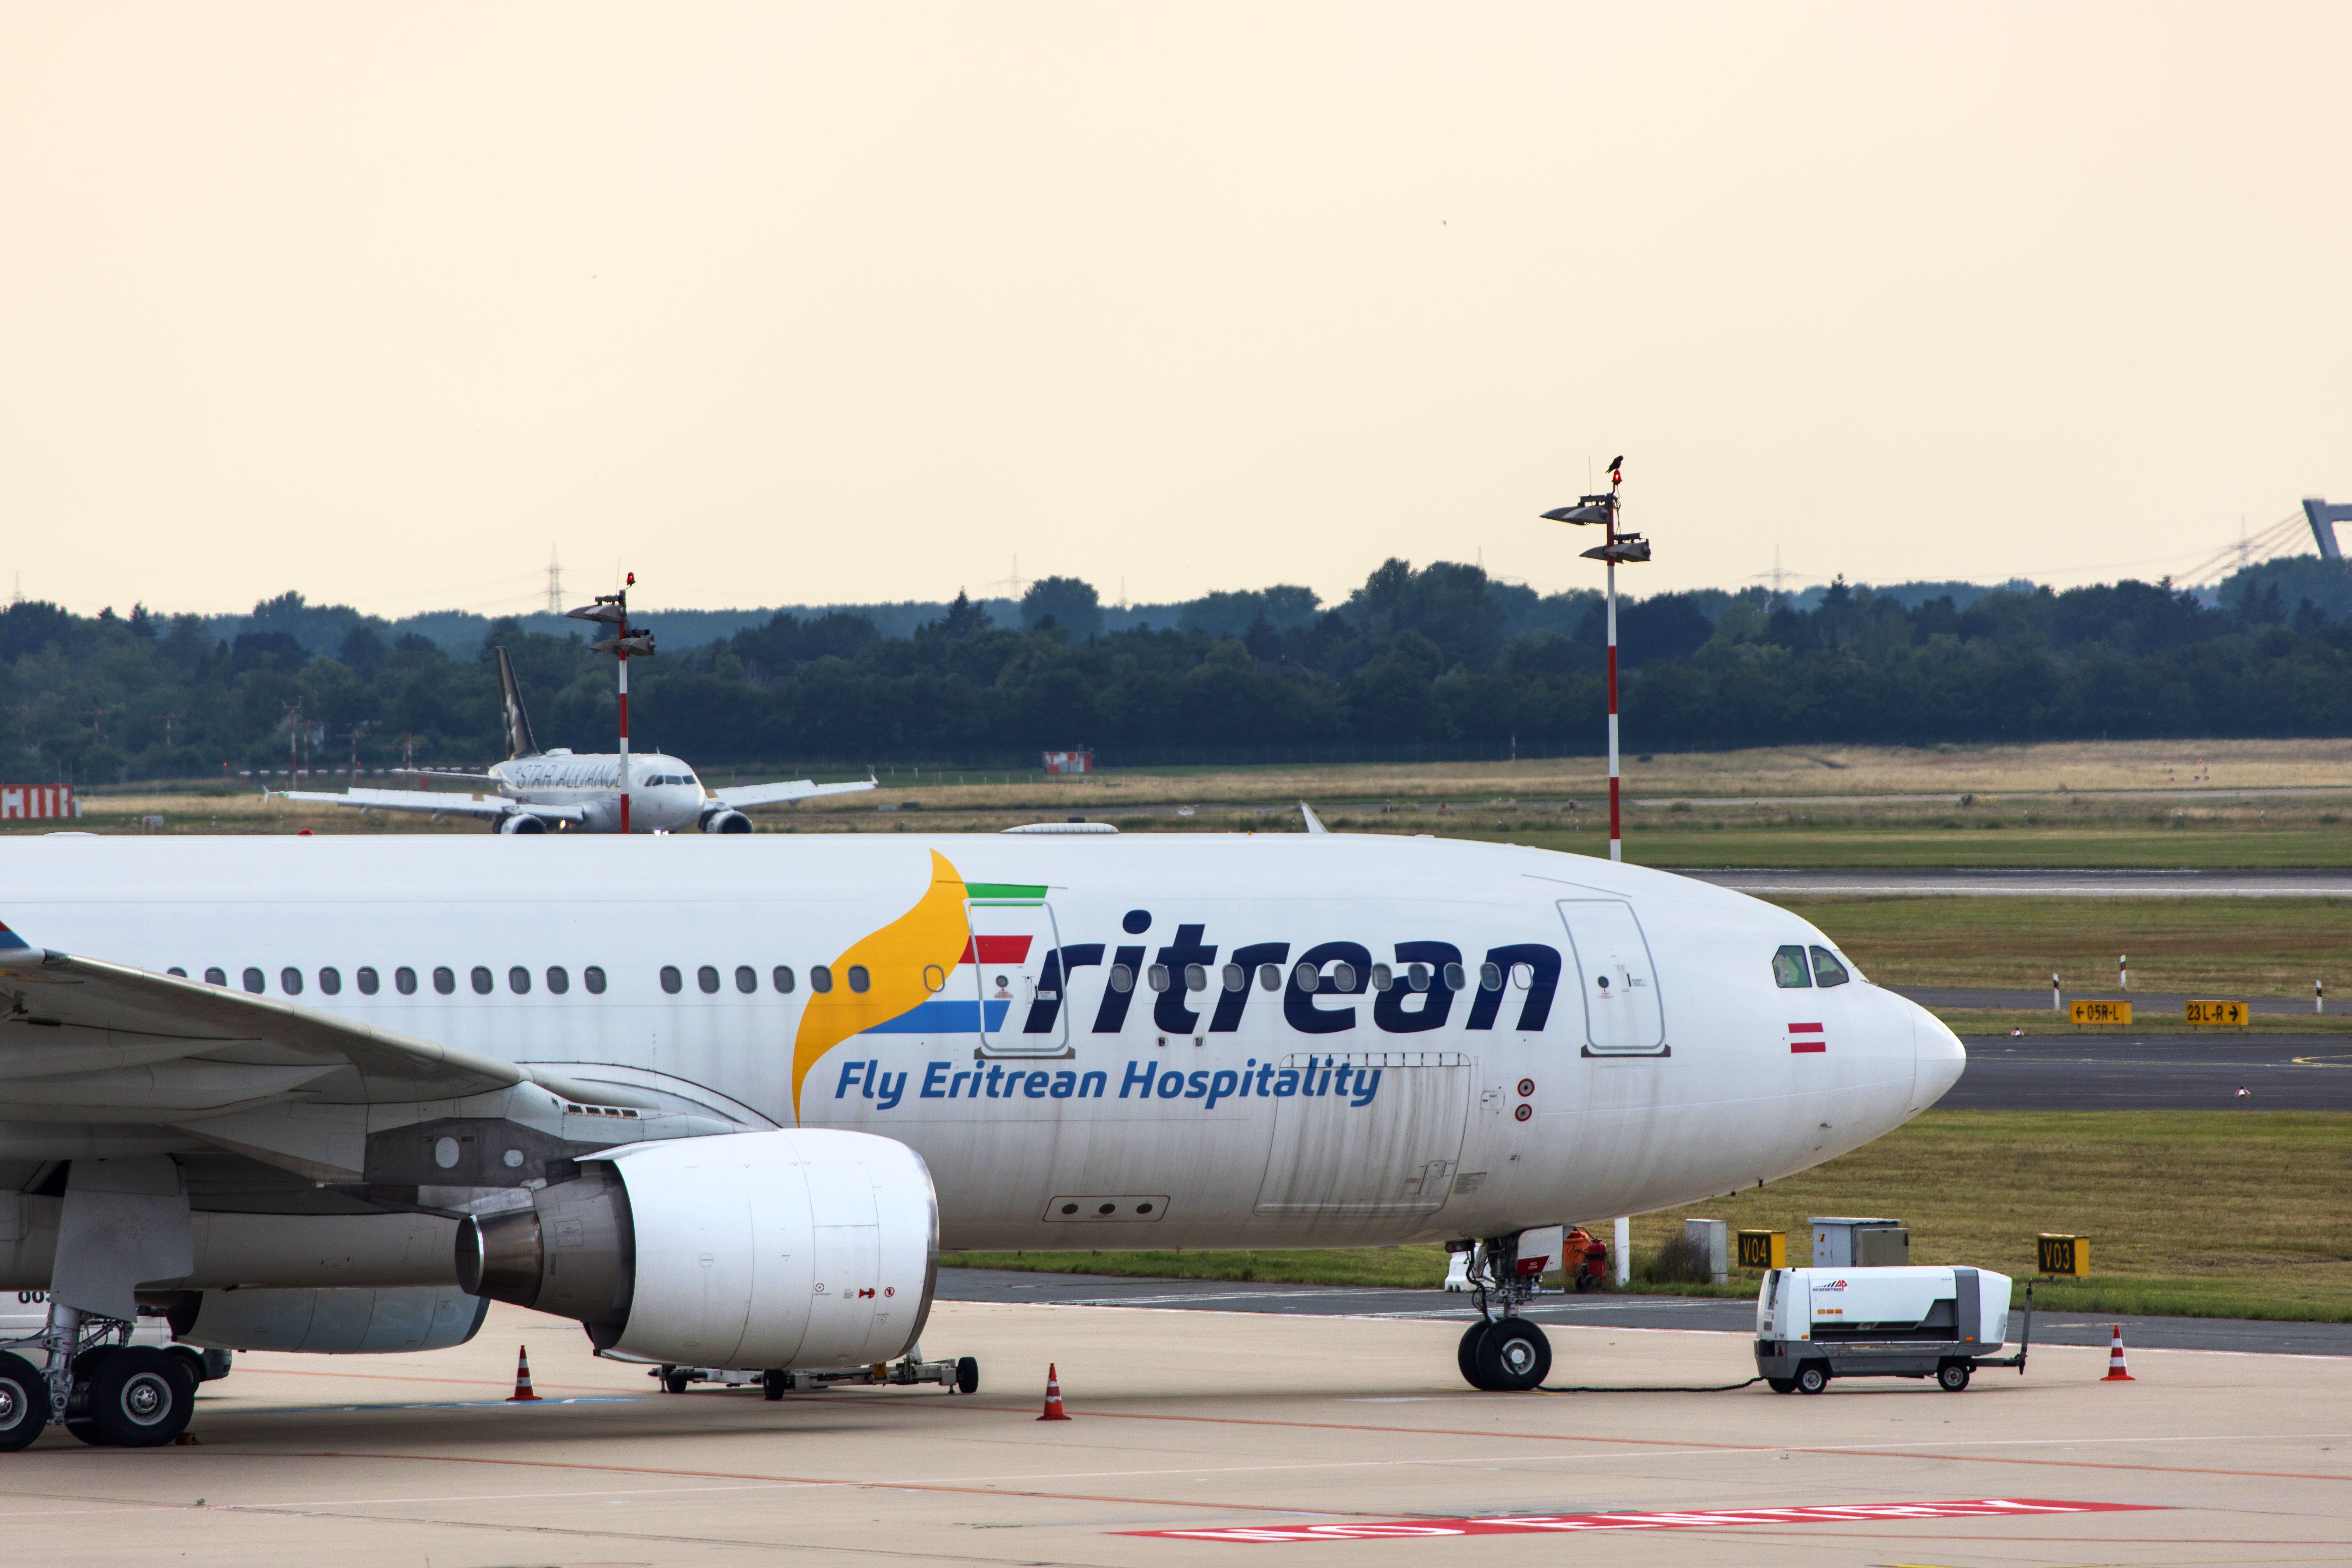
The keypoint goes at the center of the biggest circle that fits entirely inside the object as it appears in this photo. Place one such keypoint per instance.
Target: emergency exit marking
(2099, 1012)
(2227, 1015)
(1705, 1519)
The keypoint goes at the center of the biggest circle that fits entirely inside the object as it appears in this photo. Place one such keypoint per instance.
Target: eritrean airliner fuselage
(725, 1103)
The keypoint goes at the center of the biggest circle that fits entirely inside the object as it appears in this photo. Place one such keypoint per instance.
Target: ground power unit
(1816, 1324)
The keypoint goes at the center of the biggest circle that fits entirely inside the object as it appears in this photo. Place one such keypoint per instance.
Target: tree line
(1436, 661)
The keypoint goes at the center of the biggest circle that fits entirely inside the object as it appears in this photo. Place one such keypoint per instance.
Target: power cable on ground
(1652, 1388)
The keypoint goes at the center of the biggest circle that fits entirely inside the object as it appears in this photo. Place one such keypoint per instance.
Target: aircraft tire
(967, 1375)
(1514, 1355)
(139, 1398)
(1466, 1354)
(23, 1403)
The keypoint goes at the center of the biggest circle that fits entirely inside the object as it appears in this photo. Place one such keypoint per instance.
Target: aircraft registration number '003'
(2228, 1014)
(2100, 1012)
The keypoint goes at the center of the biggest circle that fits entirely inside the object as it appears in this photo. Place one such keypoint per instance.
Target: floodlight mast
(614, 609)
(1617, 547)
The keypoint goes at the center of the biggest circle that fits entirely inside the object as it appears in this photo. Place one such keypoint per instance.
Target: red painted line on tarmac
(1703, 1518)
(245, 1370)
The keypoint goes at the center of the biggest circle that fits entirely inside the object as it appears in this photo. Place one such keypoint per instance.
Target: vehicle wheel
(675, 1380)
(1952, 1376)
(142, 1398)
(1514, 1356)
(771, 1383)
(1812, 1377)
(23, 1403)
(1782, 1385)
(1585, 1282)
(1466, 1354)
(967, 1375)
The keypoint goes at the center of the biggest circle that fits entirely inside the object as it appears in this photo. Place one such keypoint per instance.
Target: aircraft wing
(741, 795)
(444, 802)
(88, 1040)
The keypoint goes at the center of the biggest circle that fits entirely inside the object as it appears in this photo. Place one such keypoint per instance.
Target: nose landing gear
(1506, 1353)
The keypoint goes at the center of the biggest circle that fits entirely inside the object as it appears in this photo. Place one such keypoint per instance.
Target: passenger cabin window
(445, 980)
(1789, 971)
(1343, 977)
(368, 983)
(559, 980)
(1156, 976)
(781, 979)
(672, 980)
(289, 980)
(1456, 980)
(175, 968)
(1306, 976)
(708, 978)
(820, 979)
(253, 982)
(1827, 970)
(593, 978)
(404, 980)
(747, 979)
(1382, 977)
(1122, 978)
(330, 981)
(859, 981)
(1269, 978)
(1490, 977)
(216, 978)
(1234, 976)
(518, 980)
(482, 981)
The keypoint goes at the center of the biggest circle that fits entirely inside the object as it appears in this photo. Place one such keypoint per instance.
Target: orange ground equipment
(1586, 1258)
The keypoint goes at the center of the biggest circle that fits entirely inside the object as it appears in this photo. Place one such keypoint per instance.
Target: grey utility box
(1713, 1239)
(1849, 1243)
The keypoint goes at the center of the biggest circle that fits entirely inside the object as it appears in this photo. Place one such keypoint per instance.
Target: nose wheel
(1505, 1355)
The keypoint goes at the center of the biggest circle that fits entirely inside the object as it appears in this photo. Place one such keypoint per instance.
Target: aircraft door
(1623, 1014)
(1013, 963)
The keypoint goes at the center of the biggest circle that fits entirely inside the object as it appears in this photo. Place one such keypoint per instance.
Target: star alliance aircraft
(535, 791)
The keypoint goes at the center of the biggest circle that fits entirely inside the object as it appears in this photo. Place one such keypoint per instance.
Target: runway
(2035, 884)
(1351, 1437)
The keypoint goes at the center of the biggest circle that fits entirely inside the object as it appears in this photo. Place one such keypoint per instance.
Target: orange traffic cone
(2115, 1373)
(1053, 1411)
(523, 1393)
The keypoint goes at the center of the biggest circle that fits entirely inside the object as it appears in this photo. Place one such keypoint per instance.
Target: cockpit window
(1827, 970)
(1789, 968)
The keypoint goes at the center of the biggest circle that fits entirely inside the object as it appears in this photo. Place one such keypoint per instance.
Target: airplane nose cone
(1937, 1057)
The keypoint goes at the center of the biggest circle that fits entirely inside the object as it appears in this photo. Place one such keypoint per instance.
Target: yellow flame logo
(930, 935)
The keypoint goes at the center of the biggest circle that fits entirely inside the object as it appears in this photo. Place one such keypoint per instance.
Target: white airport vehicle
(538, 792)
(724, 1106)
(1816, 1324)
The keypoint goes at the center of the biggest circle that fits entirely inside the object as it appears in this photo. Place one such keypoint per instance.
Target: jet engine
(520, 822)
(791, 1249)
(728, 821)
(334, 1321)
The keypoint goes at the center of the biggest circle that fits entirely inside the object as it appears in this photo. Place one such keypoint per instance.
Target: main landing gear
(110, 1395)
(1504, 1353)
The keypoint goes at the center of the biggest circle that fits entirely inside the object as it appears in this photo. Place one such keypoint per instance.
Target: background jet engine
(793, 1248)
(520, 822)
(726, 821)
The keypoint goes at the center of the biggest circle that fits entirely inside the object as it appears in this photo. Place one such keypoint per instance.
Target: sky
(783, 303)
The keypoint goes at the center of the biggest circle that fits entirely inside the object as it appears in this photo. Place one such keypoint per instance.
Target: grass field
(2202, 1214)
(2219, 947)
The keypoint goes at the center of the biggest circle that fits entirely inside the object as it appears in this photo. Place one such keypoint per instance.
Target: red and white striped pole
(1616, 832)
(621, 652)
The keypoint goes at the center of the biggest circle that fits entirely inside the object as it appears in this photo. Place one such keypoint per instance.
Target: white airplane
(727, 1117)
(534, 791)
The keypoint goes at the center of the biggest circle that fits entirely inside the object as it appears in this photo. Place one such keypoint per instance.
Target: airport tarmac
(2154, 1072)
(1351, 1437)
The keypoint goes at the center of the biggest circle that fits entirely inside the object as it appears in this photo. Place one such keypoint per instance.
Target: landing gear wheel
(1515, 1357)
(674, 1380)
(23, 1403)
(139, 1398)
(774, 1382)
(967, 1375)
(1782, 1385)
(1952, 1376)
(1812, 1377)
(1466, 1354)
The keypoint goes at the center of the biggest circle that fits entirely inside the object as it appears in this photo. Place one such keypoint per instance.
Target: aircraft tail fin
(520, 743)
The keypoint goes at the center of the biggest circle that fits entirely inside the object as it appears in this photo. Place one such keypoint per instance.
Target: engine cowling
(793, 1248)
(727, 821)
(520, 822)
(331, 1321)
